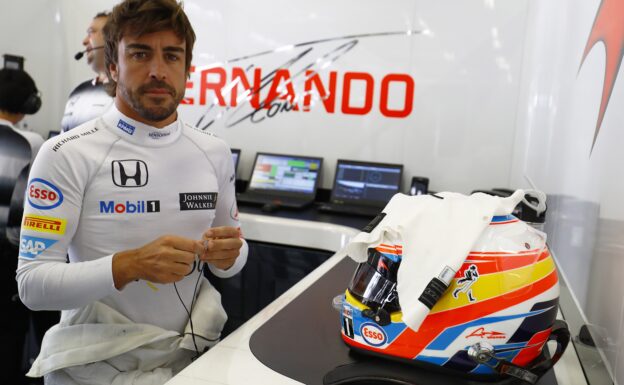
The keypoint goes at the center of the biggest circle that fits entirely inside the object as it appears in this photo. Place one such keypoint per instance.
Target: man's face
(95, 38)
(150, 76)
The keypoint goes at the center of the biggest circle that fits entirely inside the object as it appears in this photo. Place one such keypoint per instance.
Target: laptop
(235, 158)
(283, 180)
(363, 188)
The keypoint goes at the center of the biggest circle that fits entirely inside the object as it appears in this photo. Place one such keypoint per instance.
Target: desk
(231, 360)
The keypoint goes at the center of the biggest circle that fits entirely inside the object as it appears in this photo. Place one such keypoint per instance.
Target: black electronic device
(52, 134)
(363, 188)
(288, 181)
(420, 186)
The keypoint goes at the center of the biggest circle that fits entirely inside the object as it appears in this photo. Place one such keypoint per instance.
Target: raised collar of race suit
(140, 133)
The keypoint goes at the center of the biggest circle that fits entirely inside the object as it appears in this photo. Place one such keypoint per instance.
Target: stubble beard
(161, 108)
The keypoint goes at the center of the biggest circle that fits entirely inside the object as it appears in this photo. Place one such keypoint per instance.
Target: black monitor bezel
(361, 202)
(282, 192)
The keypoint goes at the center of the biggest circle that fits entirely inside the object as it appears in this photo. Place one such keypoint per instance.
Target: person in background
(89, 100)
(142, 203)
(18, 97)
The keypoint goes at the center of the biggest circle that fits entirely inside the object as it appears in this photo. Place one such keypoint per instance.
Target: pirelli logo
(44, 224)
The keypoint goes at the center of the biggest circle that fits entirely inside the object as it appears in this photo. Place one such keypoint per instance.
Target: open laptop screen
(366, 183)
(291, 174)
(235, 157)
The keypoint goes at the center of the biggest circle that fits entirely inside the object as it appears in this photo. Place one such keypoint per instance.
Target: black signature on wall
(308, 54)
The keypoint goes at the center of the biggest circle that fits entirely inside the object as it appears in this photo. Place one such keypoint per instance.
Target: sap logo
(43, 195)
(138, 207)
(31, 247)
(373, 334)
(125, 127)
(129, 173)
(44, 224)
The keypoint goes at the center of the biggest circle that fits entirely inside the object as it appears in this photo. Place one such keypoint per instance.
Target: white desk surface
(231, 361)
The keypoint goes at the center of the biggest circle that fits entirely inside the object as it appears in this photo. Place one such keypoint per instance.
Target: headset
(32, 104)
(80, 54)
(14, 82)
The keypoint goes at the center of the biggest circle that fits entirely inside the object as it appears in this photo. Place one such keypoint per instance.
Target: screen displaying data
(355, 182)
(285, 173)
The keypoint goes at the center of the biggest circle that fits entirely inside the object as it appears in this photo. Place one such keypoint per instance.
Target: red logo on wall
(300, 82)
(608, 28)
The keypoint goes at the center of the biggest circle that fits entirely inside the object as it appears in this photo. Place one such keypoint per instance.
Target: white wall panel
(34, 30)
(465, 66)
(557, 116)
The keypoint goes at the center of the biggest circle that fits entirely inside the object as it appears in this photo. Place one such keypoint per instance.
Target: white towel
(100, 346)
(436, 235)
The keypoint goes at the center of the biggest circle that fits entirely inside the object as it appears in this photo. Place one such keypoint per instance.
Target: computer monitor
(289, 174)
(366, 183)
(235, 157)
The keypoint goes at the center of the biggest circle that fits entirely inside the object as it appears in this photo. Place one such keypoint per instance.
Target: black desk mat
(302, 341)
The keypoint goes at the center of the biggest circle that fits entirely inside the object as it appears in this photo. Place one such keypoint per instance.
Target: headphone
(18, 92)
(32, 104)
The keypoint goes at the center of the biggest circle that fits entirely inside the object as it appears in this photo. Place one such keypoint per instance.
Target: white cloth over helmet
(436, 235)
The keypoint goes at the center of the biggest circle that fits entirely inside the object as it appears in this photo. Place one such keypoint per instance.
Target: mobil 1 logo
(129, 207)
(198, 201)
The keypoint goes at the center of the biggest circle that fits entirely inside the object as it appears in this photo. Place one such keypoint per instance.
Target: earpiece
(32, 104)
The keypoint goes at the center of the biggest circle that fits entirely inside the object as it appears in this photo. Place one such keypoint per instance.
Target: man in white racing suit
(139, 201)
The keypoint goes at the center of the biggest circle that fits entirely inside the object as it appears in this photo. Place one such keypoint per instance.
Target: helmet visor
(370, 287)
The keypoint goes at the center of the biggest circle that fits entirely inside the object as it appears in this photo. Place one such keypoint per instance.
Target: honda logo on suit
(129, 173)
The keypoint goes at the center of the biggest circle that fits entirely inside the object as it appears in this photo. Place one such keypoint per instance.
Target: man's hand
(222, 246)
(164, 260)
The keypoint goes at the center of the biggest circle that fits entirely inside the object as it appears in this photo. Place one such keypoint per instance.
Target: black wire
(189, 313)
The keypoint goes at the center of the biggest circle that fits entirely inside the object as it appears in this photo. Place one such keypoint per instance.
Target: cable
(190, 313)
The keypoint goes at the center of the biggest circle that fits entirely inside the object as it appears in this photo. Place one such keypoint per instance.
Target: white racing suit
(115, 184)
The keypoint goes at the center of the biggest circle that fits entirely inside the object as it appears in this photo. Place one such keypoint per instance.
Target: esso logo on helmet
(43, 195)
(373, 334)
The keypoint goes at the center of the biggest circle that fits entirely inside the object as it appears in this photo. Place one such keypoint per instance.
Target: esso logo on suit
(373, 334)
(43, 195)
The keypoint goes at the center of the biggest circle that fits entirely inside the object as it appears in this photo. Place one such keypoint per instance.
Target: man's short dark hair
(140, 17)
(17, 89)
(101, 14)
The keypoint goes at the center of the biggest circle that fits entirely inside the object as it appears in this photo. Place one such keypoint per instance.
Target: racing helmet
(493, 320)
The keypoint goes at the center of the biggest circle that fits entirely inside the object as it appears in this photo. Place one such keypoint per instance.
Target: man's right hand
(164, 260)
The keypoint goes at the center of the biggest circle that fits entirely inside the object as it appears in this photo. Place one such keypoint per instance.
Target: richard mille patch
(198, 201)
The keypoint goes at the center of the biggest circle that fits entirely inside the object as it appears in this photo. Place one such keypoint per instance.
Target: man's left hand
(221, 246)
